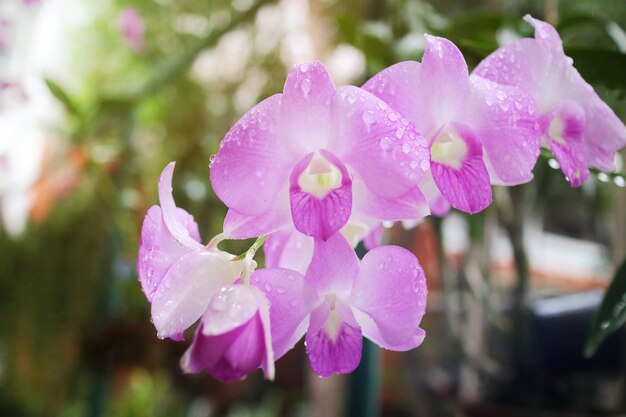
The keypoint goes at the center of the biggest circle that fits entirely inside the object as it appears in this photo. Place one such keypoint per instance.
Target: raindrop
(304, 68)
(425, 165)
(280, 290)
(385, 143)
(305, 86)
(393, 116)
(268, 287)
(212, 159)
(400, 132)
(603, 177)
(368, 117)
(382, 105)
(554, 164)
(500, 95)
(414, 164)
(620, 181)
(406, 148)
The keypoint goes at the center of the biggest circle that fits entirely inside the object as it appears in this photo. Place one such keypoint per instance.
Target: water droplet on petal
(280, 290)
(385, 142)
(305, 86)
(382, 105)
(304, 68)
(368, 117)
(393, 116)
(212, 159)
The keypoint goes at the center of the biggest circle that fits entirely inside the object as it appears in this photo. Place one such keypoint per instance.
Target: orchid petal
(504, 119)
(466, 186)
(320, 216)
(396, 315)
(174, 222)
(158, 249)
(602, 123)
(410, 205)
(241, 226)
(545, 32)
(381, 147)
(288, 249)
(187, 288)
(333, 346)
(374, 238)
(307, 109)
(253, 164)
(443, 82)
(290, 304)
(397, 86)
(333, 267)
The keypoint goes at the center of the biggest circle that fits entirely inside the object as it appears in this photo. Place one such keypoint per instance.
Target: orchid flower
(317, 158)
(339, 300)
(233, 338)
(178, 274)
(577, 126)
(479, 132)
(132, 27)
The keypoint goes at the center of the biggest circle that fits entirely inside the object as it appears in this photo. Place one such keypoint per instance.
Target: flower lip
(320, 176)
(448, 147)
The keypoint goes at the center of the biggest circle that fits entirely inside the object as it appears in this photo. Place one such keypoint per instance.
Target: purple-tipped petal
(333, 346)
(288, 249)
(334, 266)
(572, 162)
(185, 290)
(391, 289)
(458, 169)
(233, 338)
(504, 119)
(290, 304)
(177, 225)
(253, 163)
(158, 249)
(320, 210)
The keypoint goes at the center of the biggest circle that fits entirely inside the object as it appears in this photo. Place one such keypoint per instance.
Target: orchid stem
(253, 249)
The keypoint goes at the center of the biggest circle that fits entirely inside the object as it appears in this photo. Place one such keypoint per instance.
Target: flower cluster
(317, 169)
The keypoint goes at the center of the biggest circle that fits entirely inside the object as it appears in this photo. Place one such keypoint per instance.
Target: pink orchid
(233, 338)
(338, 300)
(578, 127)
(178, 274)
(132, 27)
(479, 132)
(316, 158)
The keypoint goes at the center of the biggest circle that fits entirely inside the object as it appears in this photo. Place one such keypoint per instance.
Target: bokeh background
(97, 96)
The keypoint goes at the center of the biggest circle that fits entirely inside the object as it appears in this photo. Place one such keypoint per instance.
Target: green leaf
(60, 94)
(600, 66)
(612, 312)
